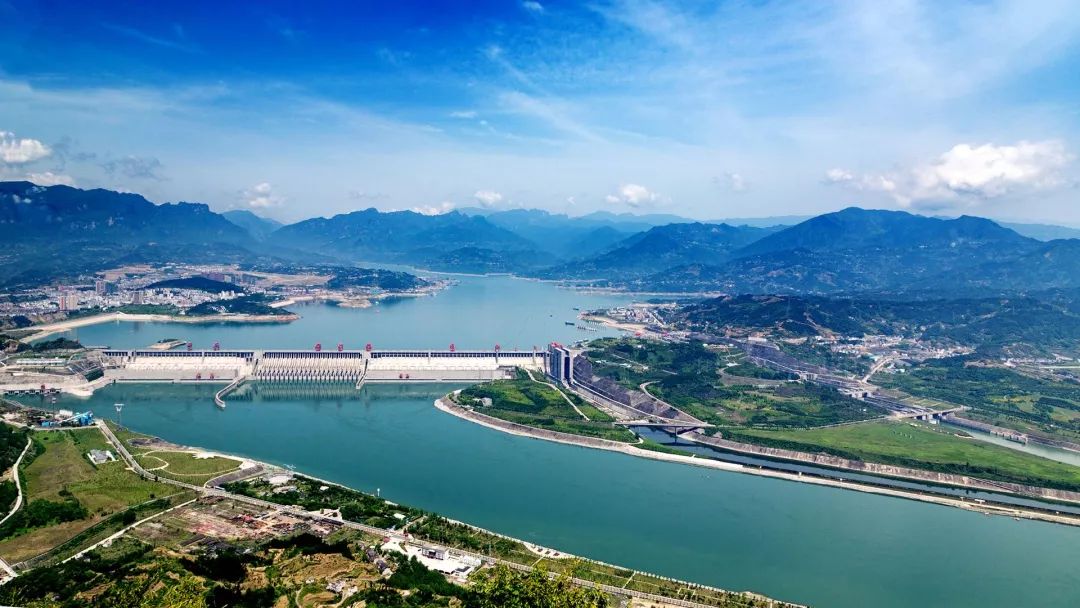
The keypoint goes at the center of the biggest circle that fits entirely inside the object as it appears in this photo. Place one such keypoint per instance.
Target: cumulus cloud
(731, 181)
(48, 178)
(262, 196)
(488, 198)
(134, 167)
(533, 7)
(967, 173)
(464, 114)
(633, 195)
(441, 208)
(16, 151)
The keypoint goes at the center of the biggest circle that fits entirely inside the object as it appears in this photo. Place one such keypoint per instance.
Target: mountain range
(60, 232)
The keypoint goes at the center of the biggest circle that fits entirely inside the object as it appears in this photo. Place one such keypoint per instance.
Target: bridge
(666, 424)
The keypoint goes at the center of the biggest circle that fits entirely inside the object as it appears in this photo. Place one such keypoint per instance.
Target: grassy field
(185, 466)
(62, 472)
(997, 395)
(688, 376)
(181, 465)
(921, 446)
(532, 403)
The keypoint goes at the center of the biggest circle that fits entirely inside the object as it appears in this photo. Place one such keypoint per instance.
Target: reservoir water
(809, 544)
(795, 541)
(477, 313)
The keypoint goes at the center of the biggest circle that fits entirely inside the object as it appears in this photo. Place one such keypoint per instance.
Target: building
(138, 297)
(560, 363)
(100, 456)
(68, 301)
(101, 287)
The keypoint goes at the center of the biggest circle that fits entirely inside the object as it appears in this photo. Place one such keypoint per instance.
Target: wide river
(795, 541)
(477, 313)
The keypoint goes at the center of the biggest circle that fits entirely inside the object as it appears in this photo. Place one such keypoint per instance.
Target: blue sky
(705, 109)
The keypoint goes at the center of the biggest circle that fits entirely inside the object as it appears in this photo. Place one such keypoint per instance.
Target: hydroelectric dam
(233, 367)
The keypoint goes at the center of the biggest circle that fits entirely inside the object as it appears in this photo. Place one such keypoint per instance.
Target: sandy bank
(42, 331)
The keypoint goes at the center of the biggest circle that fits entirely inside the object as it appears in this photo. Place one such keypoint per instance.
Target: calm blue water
(799, 542)
(809, 544)
(477, 313)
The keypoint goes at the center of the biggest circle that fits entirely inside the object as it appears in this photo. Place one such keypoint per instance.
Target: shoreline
(631, 450)
(44, 331)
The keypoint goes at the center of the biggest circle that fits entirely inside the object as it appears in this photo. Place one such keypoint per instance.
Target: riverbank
(601, 571)
(44, 331)
(448, 407)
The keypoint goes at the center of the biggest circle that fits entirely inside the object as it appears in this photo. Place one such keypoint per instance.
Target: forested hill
(857, 250)
(60, 232)
(1020, 324)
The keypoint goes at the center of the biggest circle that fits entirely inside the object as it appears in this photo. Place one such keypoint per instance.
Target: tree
(506, 588)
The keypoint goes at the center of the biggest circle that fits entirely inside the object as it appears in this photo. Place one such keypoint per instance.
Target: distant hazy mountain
(857, 250)
(1044, 232)
(763, 222)
(560, 235)
(59, 231)
(855, 228)
(452, 241)
(257, 226)
(582, 236)
(660, 248)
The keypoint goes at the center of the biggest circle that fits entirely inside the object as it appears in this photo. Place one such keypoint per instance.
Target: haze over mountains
(58, 232)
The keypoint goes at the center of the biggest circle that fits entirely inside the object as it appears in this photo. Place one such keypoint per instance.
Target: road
(15, 478)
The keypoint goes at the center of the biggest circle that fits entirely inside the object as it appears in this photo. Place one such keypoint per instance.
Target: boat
(570, 323)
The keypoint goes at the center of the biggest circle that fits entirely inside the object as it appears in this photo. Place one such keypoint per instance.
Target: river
(799, 542)
(804, 543)
(477, 313)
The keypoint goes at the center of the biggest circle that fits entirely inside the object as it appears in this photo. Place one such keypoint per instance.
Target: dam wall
(330, 366)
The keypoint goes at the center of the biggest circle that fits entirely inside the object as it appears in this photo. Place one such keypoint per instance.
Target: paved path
(118, 534)
(557, 390)
(15, 478)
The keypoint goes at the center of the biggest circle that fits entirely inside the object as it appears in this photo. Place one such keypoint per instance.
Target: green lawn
(184, 466)
(536, 404)
(174, 464)
(921, 446)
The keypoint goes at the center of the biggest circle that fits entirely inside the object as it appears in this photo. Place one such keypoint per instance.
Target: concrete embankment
(883, 469)
(513, 428)
(449, 407)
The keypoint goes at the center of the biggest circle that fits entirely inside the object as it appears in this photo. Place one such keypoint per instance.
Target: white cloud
(533, 7)
(488, 198)
(261, 196)
(967, 173)
(15, 151)
(633, 195)
(464, 114)
(48, 178)
(732, 181)
(839, 176)
(441, 208)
